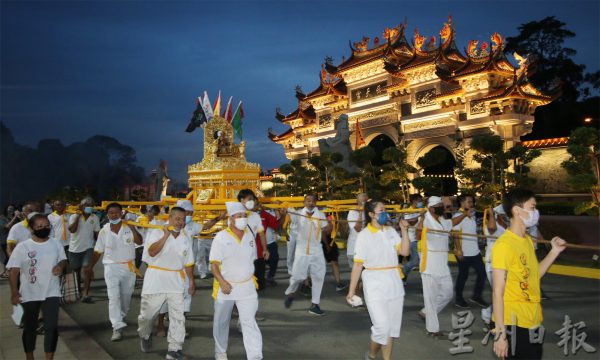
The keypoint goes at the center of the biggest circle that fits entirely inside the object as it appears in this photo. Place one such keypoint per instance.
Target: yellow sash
(180, 271)
(399, 268)
(216, 285)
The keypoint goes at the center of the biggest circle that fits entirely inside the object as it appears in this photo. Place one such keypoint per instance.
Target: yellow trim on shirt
(11, 241)
(190, 264)
(214, 262)
(423, 248)
(230, 232)
(358, 260)
(372, 228)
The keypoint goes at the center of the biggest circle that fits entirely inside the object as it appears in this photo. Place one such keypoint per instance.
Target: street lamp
(587, 120)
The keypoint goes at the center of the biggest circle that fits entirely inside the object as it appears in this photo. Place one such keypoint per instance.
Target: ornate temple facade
(423, 94)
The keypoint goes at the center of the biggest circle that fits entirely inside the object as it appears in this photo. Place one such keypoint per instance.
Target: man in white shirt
(497, 224)
(309, 260)
(84, 227)
(355, 224)
(59, 220)
(232, 260)
(416, 202)
(20, 231)
(170, 258)
(435, 273)
(116, 241)
(193, 230)
(468, 254)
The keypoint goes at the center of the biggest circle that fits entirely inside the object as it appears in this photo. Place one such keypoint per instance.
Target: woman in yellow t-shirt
(516, 280)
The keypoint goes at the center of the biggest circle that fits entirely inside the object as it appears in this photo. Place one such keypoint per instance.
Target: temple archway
(379, 144)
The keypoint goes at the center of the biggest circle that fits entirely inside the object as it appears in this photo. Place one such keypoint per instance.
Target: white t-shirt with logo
(436, 245)
(19, 233)
(271, 234)
(60, 227)
(377, 250)
(236, 258)
(469, 244)
(353, 216)
(490, 244)
(308, 232)
(83, 238)
(175, 255)
(36, 261)
(116, 248)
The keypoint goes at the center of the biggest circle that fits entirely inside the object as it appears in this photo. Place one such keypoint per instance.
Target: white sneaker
(203, 276)
(116, 335)
(222, 356)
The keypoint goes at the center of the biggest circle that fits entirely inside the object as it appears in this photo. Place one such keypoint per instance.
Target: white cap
(433, 201)
(499, 210)
(31, 215)
(234, 207)
(409, 216)
(185, 205)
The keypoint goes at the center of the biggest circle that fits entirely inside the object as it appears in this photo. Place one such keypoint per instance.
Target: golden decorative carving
(224, 169)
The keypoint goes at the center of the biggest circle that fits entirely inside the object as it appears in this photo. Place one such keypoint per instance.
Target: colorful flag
(217, 107)
(198, 117)
(360, 140)
(228, 110)
(207, 107)
(237, 120)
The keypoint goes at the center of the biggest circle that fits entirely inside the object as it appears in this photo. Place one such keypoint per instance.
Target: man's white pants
(187, 299)
(149, 308)
(486, 314)
(250, 332)
(305, 266)
(437, 293)
(291, 251)
(120, 282)
(201, 253)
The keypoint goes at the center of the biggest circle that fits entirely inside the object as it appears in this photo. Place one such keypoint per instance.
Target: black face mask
(439, 211)
(42, 233)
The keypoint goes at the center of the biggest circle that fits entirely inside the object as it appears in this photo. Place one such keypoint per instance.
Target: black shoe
(316, 310)
(146, 344)
(306, 290)
(461, 303)
(288, 302)
(341, 286)
(544, 296)
(87, 300)
(479, 301)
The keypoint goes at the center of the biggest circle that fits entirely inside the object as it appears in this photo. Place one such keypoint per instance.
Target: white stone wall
(551, 177)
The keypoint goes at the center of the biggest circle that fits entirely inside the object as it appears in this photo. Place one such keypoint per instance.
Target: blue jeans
(414, 258)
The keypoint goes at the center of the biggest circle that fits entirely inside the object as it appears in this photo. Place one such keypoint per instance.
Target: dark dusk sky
(132, 70)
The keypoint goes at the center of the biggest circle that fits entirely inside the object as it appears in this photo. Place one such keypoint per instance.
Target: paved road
(343, 333)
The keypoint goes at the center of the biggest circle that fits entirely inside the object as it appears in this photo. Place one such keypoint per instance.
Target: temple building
(422, 94)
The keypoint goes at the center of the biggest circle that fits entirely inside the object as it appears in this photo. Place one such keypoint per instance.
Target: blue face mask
(114, 222)
(383, 218)
(188, 219)
(88, 210)
(420, 205)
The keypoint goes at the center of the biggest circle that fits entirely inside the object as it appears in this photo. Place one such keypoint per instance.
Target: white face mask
(241, 223)
(532, 219)
(249, 204)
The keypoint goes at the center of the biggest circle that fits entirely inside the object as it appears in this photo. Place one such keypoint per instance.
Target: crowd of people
(40, 246)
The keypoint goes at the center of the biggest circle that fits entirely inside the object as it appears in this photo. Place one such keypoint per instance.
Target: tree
(425, 184)
(395, 173)
(544, 40)
(363, 159)
(583, 166)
